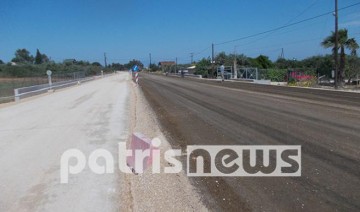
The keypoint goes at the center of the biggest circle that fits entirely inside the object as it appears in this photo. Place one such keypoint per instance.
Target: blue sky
(127, 29)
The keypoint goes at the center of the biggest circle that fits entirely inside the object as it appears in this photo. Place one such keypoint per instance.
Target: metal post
(176, 66)
(212, 53)
(336, 45)
(212, 60)
(257, 75)
(150, 60)
(235, 64)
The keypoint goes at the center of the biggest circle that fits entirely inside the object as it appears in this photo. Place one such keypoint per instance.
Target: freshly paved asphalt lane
(325, 123)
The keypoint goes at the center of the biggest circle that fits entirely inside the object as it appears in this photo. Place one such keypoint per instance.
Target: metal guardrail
(33, 90)
(38, 89)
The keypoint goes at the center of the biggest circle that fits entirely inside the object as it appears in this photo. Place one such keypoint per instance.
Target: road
(35, 133)
(326, 124)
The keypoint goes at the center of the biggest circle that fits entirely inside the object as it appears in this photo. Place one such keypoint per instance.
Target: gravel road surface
(95, 115)
(325, 123)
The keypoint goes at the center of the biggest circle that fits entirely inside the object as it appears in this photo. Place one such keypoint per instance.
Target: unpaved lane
(34, 134)
(326, 124)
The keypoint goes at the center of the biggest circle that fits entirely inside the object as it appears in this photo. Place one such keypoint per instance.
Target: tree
(134, 62)
(41, 58)
(97, 64)
(154, 67)
(23, 56)
(38, 57)
(117, 66)
(283, 63)
(82, 63)
(1, 62)
(322, 64)
(221, 58)
(344, 43)
(203, 67)
(262, 62)
(353, 69)
(44, 58)
(243, 60)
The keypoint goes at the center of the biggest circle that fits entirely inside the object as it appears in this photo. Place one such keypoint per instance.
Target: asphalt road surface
(325, 123)
(35, 133)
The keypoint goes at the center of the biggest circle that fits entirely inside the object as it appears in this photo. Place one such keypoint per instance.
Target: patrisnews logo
(243, 161)
(202, 160)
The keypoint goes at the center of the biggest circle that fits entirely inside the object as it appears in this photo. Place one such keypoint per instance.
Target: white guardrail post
(17, 97)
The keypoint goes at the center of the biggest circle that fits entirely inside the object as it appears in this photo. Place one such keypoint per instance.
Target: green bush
(276, 75)
(291, 81)
(31, 70)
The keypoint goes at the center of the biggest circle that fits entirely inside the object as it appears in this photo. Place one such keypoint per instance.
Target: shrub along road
(325, 123)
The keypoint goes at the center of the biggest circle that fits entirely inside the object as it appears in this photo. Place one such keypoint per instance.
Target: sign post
(48, 72)
(136, 69)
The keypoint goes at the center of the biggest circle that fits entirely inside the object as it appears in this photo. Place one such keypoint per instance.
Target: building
(167, 66)
(69, 61)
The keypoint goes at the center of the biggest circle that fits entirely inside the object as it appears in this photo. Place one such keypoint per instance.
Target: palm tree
(343, 43)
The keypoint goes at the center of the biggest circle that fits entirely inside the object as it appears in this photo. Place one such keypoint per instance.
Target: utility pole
(336, 45)
(235, 64)
(192, 57)
(175, 65)
(150, 60)
(105, 60)
(282, 56)
(212, 60)
(212, 53)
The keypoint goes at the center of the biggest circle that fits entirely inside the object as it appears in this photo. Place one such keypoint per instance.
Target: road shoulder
(160, 192)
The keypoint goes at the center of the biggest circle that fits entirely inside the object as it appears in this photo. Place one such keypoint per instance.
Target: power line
(301, 13)
(291, 20)
(284, 44)
(287, 25)
(256, 40)
(202, 51)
